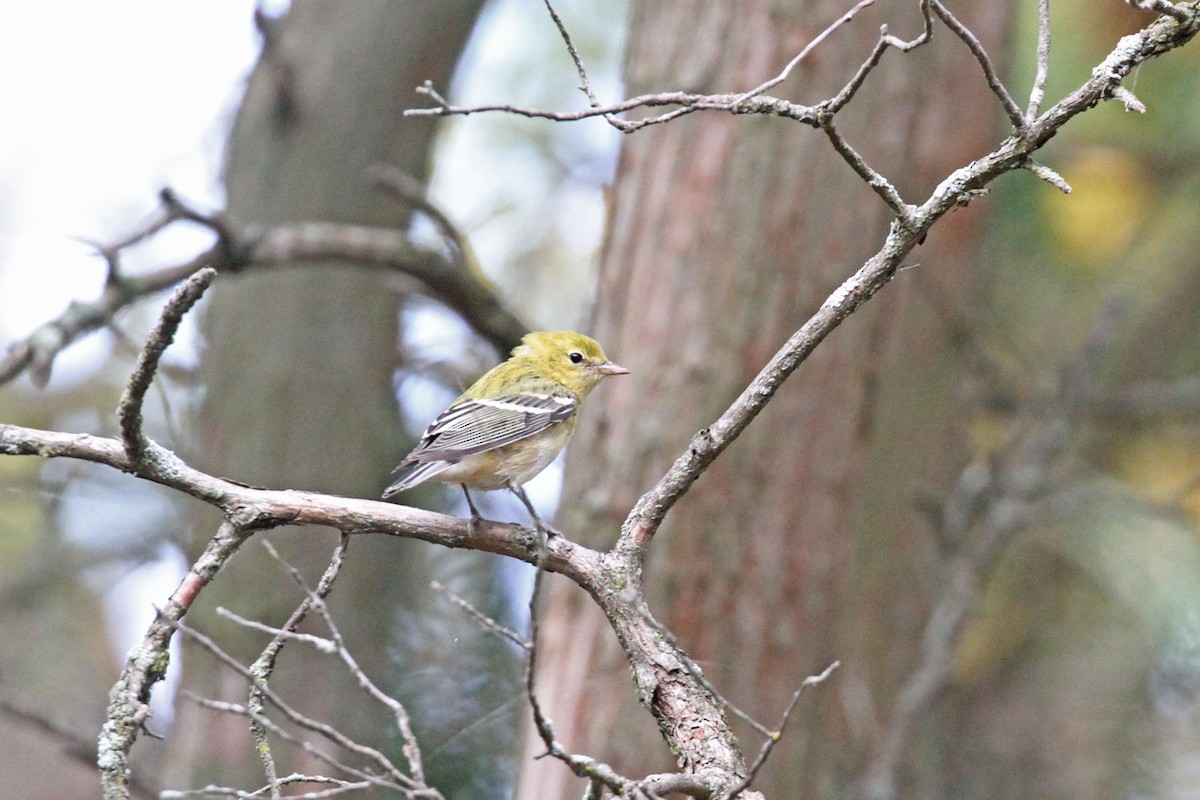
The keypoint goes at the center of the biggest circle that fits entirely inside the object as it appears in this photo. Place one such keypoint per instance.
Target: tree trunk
(800, 545)
(298, 369)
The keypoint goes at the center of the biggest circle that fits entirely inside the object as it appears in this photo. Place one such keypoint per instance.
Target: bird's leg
(544, 527)
(475, 515)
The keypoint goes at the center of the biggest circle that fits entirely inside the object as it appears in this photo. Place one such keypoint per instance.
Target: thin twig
(1048, 175)
(129, 411)
(1128, 99)
(922, 38)
(256, 247)
(706, 445)
(325, 730)
(317, 642)
(541, 722)
(879, 184)
(985, 63)
(340, 787)
(264, 665)
(885, 41)
(1161, 7)
(584, 85)
(315, 600)
(228, 250)
(286, 735)
(839, 100)
(808, 48)
(1038, 93)
(411, 748)
(629, 126)
(776, 735)
(442, 108)
(160, 218)
(737, 103)
(411, 191)
(487, 623)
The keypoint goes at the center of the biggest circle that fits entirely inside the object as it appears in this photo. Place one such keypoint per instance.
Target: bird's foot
(545, 527)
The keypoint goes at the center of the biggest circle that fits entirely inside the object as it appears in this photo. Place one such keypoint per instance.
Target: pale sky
(104, 104)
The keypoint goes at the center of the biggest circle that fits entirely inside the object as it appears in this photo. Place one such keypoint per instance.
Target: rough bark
(800, 545)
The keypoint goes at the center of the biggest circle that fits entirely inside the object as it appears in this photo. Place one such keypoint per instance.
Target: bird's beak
(609, 368)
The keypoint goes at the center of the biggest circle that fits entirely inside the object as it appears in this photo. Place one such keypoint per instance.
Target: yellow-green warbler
(513, 421)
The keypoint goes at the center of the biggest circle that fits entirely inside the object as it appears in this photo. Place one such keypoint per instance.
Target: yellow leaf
(1110, 198)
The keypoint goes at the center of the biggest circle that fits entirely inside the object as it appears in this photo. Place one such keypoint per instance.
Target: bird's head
(572, 359)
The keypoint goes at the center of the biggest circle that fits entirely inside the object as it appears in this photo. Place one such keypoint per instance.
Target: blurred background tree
(816, 536)
(297, 369)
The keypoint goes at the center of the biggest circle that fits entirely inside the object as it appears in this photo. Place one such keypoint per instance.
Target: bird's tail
(418, 474)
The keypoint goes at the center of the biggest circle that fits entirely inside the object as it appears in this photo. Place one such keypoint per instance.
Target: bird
(512, 422)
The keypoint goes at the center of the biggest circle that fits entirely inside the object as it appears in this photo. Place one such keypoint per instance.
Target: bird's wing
(474, 426)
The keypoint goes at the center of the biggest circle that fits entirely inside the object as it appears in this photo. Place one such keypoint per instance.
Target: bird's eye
(575, 356)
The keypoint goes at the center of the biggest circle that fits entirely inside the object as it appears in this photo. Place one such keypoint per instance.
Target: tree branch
(255, 247)
(129, 699)
(255, 509)
(749, 102)
(582, 766)
(1161, 36)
